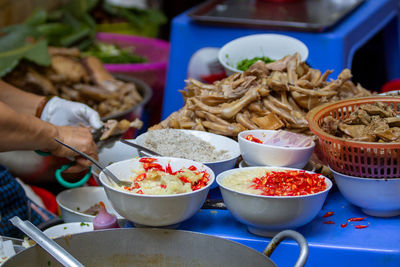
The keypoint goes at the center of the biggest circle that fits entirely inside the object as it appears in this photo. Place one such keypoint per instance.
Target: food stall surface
(330, 244)
(332, 49)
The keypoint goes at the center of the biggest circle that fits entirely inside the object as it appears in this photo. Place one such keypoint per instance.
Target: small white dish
(255, 154)
(68, 229)
(73, 202)
(274, 46)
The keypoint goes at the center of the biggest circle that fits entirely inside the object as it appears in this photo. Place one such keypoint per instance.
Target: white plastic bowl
(274, 46)
(375, 197)
(218, 141)
(73, 202)
(255, 154)
(155, 210)
(267, 215)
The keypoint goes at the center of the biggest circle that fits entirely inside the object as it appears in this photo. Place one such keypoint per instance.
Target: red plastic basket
(355, 158)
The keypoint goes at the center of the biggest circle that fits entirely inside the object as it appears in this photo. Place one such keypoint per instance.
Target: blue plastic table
(330, 244)
(333, 49)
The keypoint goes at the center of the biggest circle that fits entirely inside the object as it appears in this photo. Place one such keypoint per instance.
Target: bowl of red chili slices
(275, 148)
(271, 199)
(164, 191)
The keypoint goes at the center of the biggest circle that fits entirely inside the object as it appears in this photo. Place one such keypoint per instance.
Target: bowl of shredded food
(218, 152)
(239, 54)
(280, 198)
(164, 191)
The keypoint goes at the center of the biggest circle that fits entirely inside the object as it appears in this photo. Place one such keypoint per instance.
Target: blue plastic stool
(333, 49)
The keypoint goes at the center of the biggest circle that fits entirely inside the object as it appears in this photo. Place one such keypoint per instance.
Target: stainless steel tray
(300, 15)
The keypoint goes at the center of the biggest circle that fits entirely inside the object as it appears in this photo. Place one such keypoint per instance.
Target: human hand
(79, 138)
(63, 112)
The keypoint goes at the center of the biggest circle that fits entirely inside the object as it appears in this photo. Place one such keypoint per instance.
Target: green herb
(140, 18)
(78, 209)
(109, 53)
(84, 224)
(244, 64)
(65, 227)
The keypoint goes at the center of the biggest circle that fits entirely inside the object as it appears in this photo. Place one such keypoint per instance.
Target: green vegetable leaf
(39, 16)
(16, 38)
(39, 54)
(79, 8)
(36, 52)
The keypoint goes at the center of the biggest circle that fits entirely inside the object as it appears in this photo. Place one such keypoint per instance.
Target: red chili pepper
(168, 169)
(343, 225)
(356, 219)
(163, 186)
(328, 214)
(253, 139)
(148, 166)
(360, 226)
(141, 177)
(147, 160)
(329, 222)
(139, 192)
(192, 168)
(289, 183)
(184, 179)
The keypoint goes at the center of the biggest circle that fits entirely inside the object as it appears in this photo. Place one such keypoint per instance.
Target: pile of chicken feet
(270, 96)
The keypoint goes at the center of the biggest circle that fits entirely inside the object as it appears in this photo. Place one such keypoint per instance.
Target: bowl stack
(367, 173)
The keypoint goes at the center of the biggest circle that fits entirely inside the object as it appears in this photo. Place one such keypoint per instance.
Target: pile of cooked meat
(271, 96)
(76, 78)
(376, 122)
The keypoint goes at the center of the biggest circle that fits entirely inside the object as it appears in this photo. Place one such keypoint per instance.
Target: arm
(26, 132)
(14, 97)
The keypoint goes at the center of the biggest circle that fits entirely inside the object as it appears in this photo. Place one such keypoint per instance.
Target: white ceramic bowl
(255, 154)
(155, 210)
(274, 46)
(375, 197)
(73, 202)
(267, 215)
(113, 152)
(218, 141)
(65, 229)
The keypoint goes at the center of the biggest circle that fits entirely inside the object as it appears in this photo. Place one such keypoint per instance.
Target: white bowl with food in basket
(160, 208)
(273, 154)
(273, 46)
(218, 152)
(376, 197)
(267, 214)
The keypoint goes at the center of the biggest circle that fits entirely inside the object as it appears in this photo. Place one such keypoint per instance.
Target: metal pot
(157, 247)
(37, 168)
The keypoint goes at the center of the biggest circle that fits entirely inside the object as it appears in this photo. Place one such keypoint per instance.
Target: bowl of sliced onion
(164, 191)
(275, 148)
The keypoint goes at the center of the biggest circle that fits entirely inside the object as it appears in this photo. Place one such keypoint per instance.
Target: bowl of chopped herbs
(239, 54)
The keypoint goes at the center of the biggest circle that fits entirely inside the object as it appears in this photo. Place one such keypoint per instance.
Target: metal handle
(54, 249)
(142, 148)
(277, 239)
